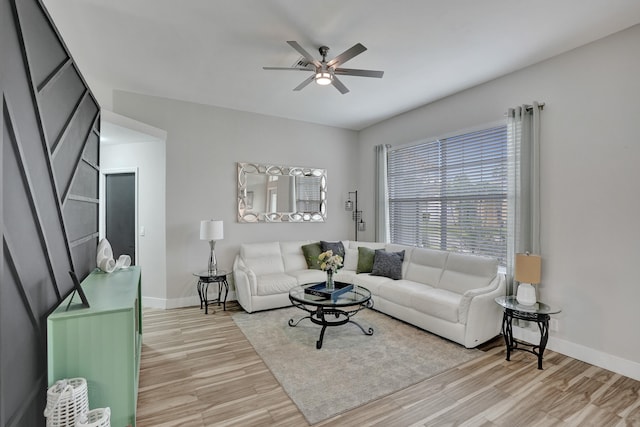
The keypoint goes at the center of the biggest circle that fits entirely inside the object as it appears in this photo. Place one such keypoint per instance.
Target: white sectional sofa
(449, 294)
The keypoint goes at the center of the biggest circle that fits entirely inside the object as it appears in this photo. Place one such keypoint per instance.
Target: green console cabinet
(101, 343)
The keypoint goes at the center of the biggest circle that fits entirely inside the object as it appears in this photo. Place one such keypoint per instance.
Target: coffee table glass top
(358, 295)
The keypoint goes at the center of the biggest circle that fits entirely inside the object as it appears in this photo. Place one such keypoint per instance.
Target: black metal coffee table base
(330, 316)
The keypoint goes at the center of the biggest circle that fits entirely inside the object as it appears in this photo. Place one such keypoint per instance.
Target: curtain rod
(529, 108)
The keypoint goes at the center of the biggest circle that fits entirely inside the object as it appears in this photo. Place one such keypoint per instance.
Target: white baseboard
(167, 304)
(151, 302)
(603, 360)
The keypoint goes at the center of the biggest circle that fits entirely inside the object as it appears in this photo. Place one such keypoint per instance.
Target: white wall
(590, 202)
(149, 159)
(203, 146)
(590, 185)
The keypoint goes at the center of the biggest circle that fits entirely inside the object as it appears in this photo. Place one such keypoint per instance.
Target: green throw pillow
(311, 252)
(365, 259)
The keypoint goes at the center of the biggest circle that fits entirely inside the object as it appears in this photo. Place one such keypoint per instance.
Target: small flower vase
(330, 284)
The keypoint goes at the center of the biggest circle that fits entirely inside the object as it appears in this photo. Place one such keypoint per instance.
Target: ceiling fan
(326, 72)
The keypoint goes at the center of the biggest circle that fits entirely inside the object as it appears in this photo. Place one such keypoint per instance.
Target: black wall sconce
(360, 225)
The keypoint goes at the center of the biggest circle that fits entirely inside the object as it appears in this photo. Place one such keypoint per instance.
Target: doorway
(127, 145)
(120, 212)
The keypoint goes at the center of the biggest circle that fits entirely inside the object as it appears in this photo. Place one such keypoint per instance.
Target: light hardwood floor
(199, 370)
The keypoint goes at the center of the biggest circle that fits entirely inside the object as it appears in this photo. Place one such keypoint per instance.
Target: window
(451, 193)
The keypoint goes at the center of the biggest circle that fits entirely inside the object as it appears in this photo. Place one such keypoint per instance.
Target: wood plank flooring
(199, 370)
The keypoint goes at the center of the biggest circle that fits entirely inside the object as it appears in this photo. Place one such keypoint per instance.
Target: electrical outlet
(553, 325)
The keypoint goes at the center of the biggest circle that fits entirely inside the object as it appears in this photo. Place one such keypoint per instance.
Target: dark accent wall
(49, 157)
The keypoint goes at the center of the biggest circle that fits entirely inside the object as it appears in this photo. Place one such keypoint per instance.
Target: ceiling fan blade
(356, 49)
(288, 68)
(359, 73)
(303, 52)
(304, 83)
(338, 85)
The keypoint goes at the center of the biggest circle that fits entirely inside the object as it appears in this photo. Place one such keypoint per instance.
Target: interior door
(120, 214)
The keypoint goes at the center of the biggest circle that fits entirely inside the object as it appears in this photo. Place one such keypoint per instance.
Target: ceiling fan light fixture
(323, 78)
(326, 73)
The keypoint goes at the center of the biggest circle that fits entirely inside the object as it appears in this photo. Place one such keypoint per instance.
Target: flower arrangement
(330, 262)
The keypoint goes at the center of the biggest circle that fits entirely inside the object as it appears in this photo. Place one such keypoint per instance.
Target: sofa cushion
(388, 264)
(400, 292)
(275, 283)
(262, 258)
(426, 266)
(373, 283)
(307, 276)
(350, 261)
(365, 259)
(336, 247)
(292, 255)
(465, 272)
(438, 303)
(311, 252)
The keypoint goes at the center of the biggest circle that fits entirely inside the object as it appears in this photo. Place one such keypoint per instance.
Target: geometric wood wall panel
(87, 218)
(46, 51)
(83, 253)
(92, 150)
(85, 183)
(49, 174)
(59, 99)
(68, 152)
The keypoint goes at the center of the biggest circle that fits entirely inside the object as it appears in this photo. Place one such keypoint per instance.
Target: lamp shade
(348, 205)
(211, 229)
(528, 268)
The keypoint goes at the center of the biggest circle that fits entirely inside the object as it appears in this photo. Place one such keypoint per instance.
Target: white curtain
(382, 195)
(523, 133)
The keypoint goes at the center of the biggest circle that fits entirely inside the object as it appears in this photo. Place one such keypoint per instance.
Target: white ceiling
(212, 51)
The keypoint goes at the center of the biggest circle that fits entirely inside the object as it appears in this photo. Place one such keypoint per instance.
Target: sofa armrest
(483, 315)
(246, 283)
(495, 289)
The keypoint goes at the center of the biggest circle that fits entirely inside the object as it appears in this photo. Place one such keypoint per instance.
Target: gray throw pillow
(365, 259)
(311, 252)
(336, 247)
(388, 264)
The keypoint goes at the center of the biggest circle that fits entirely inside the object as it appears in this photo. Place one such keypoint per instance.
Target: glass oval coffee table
(331, 311)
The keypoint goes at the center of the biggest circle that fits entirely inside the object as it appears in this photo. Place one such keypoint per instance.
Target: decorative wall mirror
(272, 193)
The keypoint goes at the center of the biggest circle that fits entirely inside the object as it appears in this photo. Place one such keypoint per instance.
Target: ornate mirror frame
(255, 180)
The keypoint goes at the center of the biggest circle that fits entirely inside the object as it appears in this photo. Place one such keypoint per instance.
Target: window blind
(451, 193)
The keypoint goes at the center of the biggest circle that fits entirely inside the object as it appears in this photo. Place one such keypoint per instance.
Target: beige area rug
(351, 368)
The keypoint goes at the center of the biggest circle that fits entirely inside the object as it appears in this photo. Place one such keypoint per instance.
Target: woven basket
(99, 417)
(66, 399)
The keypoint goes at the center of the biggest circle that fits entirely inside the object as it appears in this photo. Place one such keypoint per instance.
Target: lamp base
(526, 294)
(213, 263)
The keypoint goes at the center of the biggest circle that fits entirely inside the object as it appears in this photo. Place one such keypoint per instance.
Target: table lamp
(528, 269)
(212, 230)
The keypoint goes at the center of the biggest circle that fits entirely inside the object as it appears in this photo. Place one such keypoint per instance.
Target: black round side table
(538, 312)
(204, 278)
